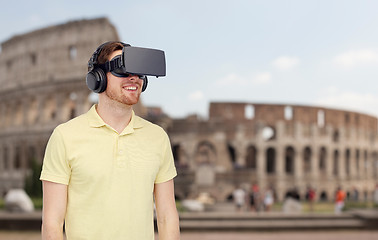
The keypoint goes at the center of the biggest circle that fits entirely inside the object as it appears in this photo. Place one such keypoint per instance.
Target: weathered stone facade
(42, 84)
(278, 146)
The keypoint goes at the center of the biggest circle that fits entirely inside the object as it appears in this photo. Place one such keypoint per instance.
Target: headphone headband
(96, 77)
(93, 61)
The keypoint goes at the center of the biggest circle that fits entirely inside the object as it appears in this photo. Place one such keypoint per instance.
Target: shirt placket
(120, 153)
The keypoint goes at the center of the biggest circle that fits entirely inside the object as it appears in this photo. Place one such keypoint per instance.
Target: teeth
(130, 88)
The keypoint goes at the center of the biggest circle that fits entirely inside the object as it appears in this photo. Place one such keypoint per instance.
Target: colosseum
(280, 146)
(276, 146)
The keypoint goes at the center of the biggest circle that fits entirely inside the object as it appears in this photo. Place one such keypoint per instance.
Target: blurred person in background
(239, 197)
(339, 200)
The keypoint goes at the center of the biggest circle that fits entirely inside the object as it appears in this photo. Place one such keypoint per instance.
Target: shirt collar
(96, 121)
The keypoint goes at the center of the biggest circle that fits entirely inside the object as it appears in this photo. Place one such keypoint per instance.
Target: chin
(124, 99)
(129, 101)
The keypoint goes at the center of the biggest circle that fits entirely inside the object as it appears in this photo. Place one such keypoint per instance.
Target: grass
(320, 207)
(37, 203)
(328, 207)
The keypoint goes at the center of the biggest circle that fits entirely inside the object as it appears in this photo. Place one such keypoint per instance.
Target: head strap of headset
(111, 65)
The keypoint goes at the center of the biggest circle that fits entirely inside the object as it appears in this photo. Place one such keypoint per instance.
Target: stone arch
(32, 156)
(270, 160)
(205, 153)
(176, 153)
(229, 197)
(17, 164)
(232, 155)
(69, 107)
(347, 162)
(289, 160)
(6, 159)
(32, 111)
(323, 196)
(293, 193)
(357, 158)
(49, 109)
(366, 163)
(322, 160)
(336, 136)
(307, 159)
(251, 158)
(179, 156)
(335, 169)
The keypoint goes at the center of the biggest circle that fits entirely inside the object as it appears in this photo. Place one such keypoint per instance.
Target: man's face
(125, 90)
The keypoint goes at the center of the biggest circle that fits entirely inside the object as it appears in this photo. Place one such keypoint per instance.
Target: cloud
(352, 101)
(260, 78)
(286, 62)
(196, 95)
(232, 78)
(356, 57)
(35, 19)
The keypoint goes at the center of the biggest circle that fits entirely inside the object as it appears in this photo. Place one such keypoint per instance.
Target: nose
(133, 77)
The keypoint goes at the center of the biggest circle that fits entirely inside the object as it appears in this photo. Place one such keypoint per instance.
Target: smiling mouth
(130, 88)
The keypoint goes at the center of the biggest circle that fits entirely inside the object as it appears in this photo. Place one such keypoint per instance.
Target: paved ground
(308, 235)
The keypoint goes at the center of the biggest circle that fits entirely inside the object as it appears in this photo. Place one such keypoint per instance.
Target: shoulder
(146, 125)
(73, 126)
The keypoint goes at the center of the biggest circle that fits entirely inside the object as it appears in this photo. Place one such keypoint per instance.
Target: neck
(115, 114)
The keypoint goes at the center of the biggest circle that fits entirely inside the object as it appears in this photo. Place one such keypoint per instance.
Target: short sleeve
(56, 167)
(167, 169)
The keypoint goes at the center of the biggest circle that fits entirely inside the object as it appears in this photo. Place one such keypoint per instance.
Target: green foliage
(33, 186)
(37, 202)
(359, 205)
(318, 207)
(179, 206)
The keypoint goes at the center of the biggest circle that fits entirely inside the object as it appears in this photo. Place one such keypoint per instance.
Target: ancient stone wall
(277, 146)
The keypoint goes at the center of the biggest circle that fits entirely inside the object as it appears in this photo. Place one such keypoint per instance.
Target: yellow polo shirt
(110, 176)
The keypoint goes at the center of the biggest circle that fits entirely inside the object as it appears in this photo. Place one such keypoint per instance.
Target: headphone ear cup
(96, 80)
(145, 83)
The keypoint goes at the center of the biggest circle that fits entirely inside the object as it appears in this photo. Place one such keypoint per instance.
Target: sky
(314, 52)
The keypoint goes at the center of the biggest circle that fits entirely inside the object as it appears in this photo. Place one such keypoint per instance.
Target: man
(239, 198)
(103, 169)
(339, 200)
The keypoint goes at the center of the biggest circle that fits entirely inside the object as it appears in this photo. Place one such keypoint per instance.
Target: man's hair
(107, 50)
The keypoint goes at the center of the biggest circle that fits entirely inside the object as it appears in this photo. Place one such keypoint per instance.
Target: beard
(119, 97)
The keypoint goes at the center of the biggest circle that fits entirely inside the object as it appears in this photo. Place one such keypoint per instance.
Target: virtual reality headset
(138, 61)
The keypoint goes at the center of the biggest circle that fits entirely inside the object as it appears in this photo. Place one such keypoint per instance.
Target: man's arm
(167, 217)
(54, 210)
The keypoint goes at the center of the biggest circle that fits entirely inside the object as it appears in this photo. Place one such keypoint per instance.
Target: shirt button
(120, 152)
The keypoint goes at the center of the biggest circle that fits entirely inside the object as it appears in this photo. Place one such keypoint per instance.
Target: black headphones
(96, 76)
